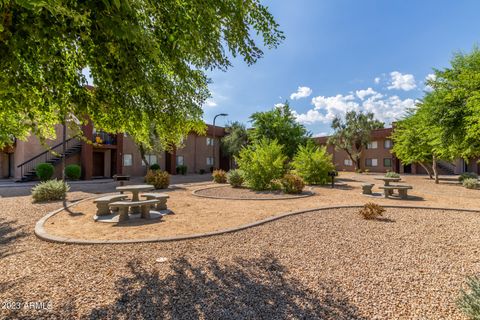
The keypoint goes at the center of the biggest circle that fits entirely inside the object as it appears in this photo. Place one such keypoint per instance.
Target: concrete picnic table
(135, 189)
(387, 180)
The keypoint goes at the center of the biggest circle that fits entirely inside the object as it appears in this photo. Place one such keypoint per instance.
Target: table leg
(135, 210)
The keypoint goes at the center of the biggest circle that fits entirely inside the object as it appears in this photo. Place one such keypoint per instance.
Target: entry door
(98, 164)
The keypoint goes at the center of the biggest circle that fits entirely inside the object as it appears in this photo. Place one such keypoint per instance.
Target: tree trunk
(426, 169)
(142, 155)
(434, 167)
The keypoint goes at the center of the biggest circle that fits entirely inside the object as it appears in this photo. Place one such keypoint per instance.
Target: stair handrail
(46, 151)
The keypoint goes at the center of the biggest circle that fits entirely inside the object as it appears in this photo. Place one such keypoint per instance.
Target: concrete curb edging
(194, 192)
(42, 234)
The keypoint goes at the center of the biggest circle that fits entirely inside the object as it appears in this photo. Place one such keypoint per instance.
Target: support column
(87, 152)
(119, 154)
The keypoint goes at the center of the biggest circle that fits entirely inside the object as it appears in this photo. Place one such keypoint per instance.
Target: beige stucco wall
(196, 151)
(137, 169)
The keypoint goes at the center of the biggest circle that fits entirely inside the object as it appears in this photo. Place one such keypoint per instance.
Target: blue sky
(346, 54)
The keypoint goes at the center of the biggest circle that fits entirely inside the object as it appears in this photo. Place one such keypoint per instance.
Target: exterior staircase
(53, 156)
(445, 167)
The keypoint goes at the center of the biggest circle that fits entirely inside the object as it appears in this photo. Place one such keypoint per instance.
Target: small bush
(202, 171)
(371, 211)
(219, 176)
(44, 171)
(469, 302)
(276, 185)
(292, 183)
(313, 163)
(470, 183)
(467, 175)
(261, 163)
(358, 171)
(235, 178)
(391, 174)
(158, 178)
(73, 171)
(181, 169)
(50, 190)
(367, 170)
(155, 166)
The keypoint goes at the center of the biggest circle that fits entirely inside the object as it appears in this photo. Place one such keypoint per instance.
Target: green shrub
(470, 183)
(391, 174)
(44, 171)
(367, 170)
(313, 163)
(73, 171)
(469, 302)
(181, 169)
(261, 163)
(292, 183)
(235, 178)
(358, 171)
(155, 166)
(467, 175)
(219, 176)
(276, 185)
(158, 178)
(50, 190)
(371, 211)
(202, 171)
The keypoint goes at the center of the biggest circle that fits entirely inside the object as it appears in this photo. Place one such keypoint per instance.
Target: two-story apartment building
(378, 157)
(105, 155)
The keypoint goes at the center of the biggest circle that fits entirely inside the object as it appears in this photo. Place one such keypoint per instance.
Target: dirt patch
(227, 192)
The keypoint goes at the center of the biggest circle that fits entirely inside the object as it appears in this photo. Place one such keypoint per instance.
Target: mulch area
(227, 191)
(321, 265)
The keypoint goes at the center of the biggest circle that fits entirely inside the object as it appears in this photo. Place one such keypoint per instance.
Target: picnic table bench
(103, 202)
(402, 190)
(124, 206)
(162, 197)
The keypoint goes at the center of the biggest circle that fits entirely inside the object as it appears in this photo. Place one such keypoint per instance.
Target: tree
(352, 134)
(454, 105)
(279, 124)
(235, 139)
(146, 58)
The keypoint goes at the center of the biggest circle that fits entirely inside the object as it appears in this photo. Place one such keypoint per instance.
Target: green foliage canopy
(352, 134)
(235, 139)
(279, 124)
(146, 58)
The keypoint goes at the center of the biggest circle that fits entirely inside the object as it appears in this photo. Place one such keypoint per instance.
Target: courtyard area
(328, 264)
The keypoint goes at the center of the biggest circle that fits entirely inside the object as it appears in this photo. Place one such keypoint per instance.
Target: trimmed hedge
(73, 171)
(44, 171)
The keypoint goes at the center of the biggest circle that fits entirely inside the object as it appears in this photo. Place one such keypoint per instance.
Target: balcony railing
(101, 137)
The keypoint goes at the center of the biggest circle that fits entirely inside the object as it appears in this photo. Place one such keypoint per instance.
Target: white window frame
(348, 162)
(210, 142)
(150, 157)
(390, 144)
(209, 161)
(177, 162)
(373, 162)
(372, 145)
(391, 162)
(125, 156)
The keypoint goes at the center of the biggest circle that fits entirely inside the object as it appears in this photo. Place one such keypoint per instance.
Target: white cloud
(401, 81)
(321, 134)
(429, 77)
(366, 92)
(210, 103)
(302, 92)
(325, 109)
(278, 105)
(376, 80)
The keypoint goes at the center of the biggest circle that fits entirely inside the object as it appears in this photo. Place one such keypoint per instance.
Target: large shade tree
(235, 139)
(147, 60)
(279, 124)
(352, 134)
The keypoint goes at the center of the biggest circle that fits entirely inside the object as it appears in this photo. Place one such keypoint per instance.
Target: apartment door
(98, 169)
(407, 168)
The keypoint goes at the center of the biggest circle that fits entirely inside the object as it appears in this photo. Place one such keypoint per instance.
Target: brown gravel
(328, 265)
(243, 193)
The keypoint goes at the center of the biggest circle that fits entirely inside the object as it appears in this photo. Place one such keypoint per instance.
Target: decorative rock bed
(227, 192)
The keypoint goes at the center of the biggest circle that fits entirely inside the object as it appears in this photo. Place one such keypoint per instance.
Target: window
(387, 162)
(180, 161)
(151, 158)
(209, 161)
(372, 145)
(210, 142)
(127, 160)
(348, 162)
(371, 162)
(387, 144)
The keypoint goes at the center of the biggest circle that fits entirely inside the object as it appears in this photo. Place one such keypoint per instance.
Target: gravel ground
(244, 193)
(322, 265)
